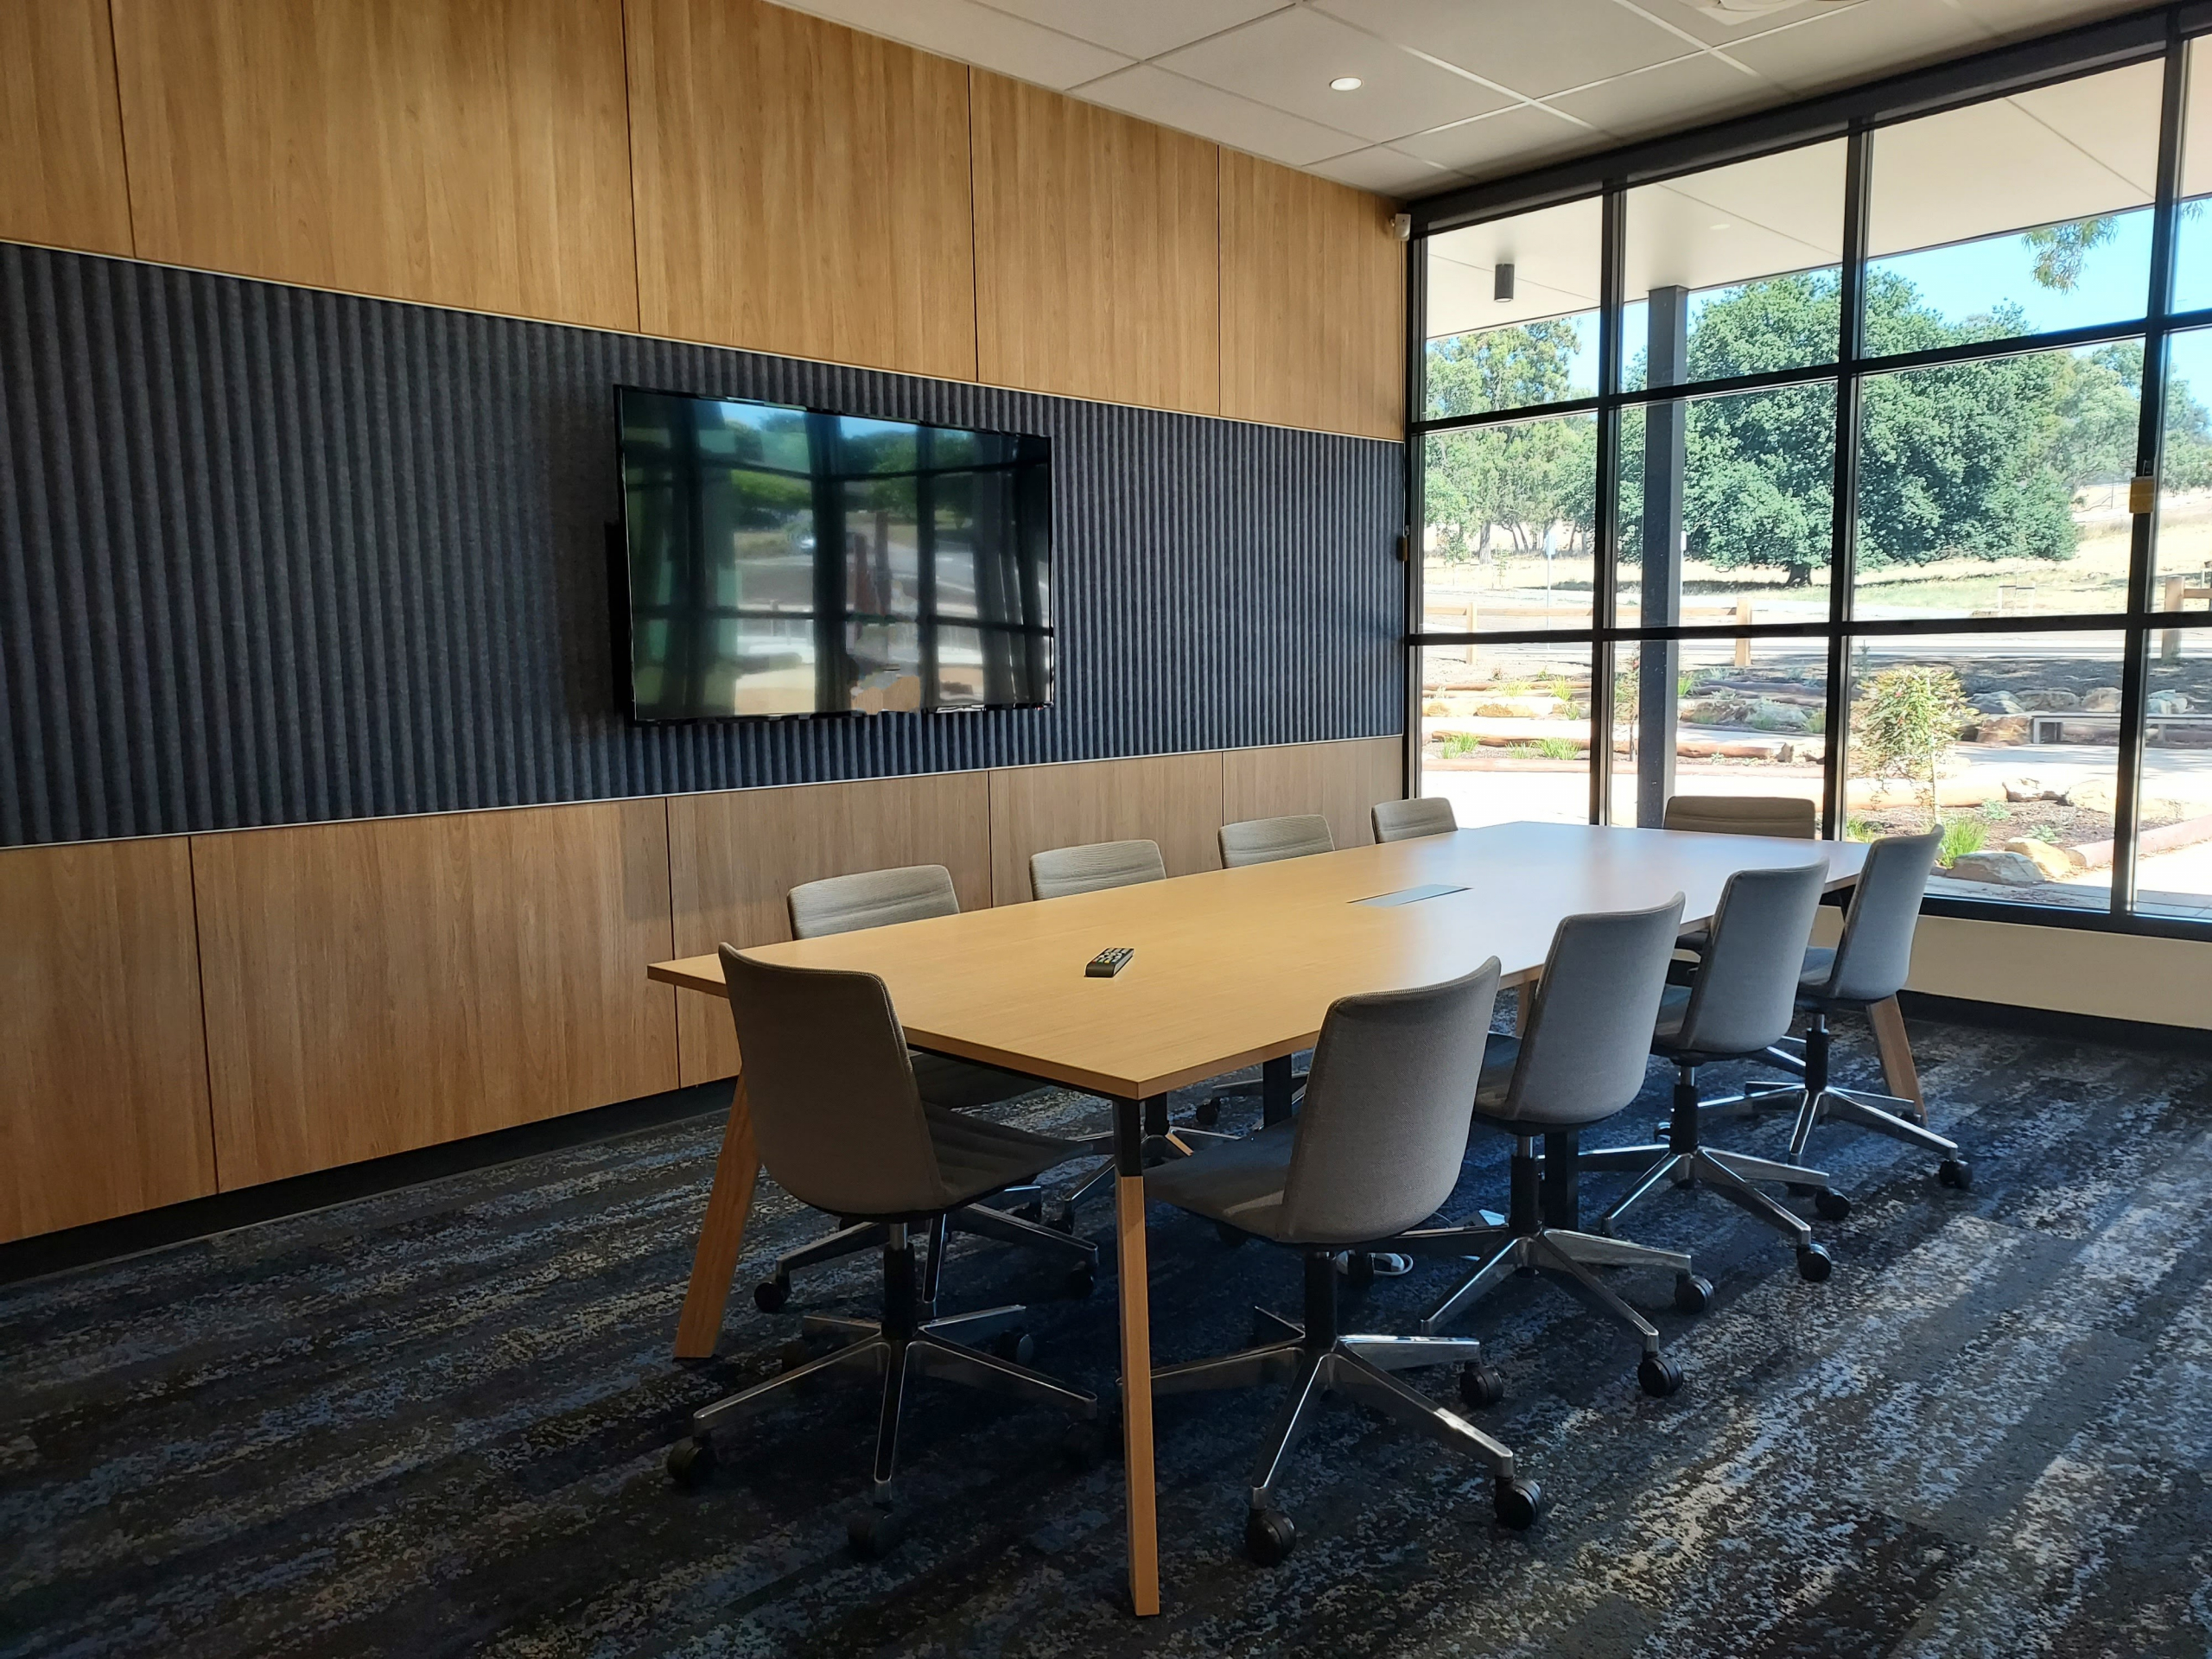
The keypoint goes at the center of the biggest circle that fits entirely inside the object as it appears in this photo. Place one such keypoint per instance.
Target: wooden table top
(1234, 967)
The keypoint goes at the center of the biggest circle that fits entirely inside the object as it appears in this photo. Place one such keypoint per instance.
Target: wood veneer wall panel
(1312, 302)
(1097, 251)
(801, 188)
(103, 1075)
(471, 155)
(734, 854)
(1174, 799)
(1341, 781)
(61, 178)
(376, 986)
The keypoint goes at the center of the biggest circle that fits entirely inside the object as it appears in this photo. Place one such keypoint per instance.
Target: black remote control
(1109, 963)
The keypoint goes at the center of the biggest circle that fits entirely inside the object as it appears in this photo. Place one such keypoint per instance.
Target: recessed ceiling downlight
(1344, 84)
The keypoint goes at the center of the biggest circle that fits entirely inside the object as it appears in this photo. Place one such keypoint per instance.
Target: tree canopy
(1977, 460)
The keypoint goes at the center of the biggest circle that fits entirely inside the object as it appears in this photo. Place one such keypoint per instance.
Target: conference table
(1232, 969)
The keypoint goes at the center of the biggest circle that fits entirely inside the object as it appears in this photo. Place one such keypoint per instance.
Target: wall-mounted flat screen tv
(788, 561)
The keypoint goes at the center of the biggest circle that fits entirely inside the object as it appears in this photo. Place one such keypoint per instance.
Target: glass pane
(2173, 848)
(2010, 741)
(2181, 556)
(1743, 486)
(2193, 229)
(1998, 487)
(1505, 732)
(1510, 512)
(1732, 270)
(1513, 312)
(2015, 216)
(1749, 719)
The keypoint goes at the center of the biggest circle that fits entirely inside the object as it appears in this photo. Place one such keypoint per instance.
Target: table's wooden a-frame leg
(722, 1236)
(1899, 1075)
(1136, 1356)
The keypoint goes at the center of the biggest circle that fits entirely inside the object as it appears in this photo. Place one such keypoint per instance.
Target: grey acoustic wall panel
(271, 556)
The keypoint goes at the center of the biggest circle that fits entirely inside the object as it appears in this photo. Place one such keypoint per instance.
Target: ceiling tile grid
(1448, 92)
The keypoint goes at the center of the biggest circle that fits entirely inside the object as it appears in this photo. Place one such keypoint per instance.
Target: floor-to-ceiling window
(1875, 470)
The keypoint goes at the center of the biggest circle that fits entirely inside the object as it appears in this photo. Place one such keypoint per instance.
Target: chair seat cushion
(976, 1157)
(1240, 1182)
(944, 1080)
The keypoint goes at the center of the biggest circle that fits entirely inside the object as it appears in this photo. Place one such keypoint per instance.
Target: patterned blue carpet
(432, 1422)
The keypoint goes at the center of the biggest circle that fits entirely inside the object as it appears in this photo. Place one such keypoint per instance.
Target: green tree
(1904, 723)
(1515, 480)
(1514, 367)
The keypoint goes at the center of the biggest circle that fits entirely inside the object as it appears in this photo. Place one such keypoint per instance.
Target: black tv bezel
(624, 602)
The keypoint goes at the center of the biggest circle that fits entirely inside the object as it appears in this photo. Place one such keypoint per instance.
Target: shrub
(1521, 751)
(1816, 721)
(1559, 748)
(1857, 828)
(1996, 812)
(1904, 722)
(1454, 744)
(1961, 837)
(1571, 709)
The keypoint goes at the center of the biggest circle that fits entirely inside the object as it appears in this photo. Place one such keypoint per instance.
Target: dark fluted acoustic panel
(271, 556)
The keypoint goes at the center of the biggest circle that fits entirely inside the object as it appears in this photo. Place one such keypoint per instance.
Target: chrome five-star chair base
(892, 1351)
(1318, 1361)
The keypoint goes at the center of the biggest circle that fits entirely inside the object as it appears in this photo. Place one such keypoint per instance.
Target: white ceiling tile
(1854, 43)
(2112, 118)
(1533, 49)
(1154, 95)
(1692, 17)
(1142, 29)
(1492, 145)
(1289, 58)
(974, 34)
(1683, 93)
(1554, 256)
(1385, 171)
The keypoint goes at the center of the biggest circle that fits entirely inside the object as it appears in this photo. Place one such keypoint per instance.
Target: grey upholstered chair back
(1875, 953)
(1788, 816)
(845, 904)
(836, 1114)
(1088, 869)
(1587, 1031)
(1408, 820)
(1262, 841)
(1745, 989)
(1382, 1132)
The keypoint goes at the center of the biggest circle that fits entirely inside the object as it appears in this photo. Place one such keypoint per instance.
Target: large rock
(2006, 869)
(2032, 788)
(2001, 728)
(2095, 794)
(2053, 701)
(1779, 717)
(2167, 702)
(1998, 702)
(2056, 863)
(2101, 699)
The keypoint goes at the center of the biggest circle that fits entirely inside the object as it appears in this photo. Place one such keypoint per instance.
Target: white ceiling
(1453, 91)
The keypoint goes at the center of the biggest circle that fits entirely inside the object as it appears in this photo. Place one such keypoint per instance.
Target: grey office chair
(1103, 864)
(949, 1088)
(1740, 1001)
(1262, 841)
(1378, 1146)
(1579, 1059)
(1409, 820)
(1789, 816)
(811, 1035)
(1868, 964)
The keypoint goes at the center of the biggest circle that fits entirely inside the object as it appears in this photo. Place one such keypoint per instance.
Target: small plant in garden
(1861, 830)
(1816, 721)
(1558, 748)
(1996, 812)
(1514, 687)
(1452, 745)
(1571, 709)
(1905, 722)
(1521, 751)
(1961, 837)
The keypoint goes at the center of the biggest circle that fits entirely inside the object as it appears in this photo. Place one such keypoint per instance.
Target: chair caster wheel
(1079, 1283)
(770, 1294)
(1693, 1294)
(1229, 1236)
(1018, 1346)
(1481, 1384)
(1359, 1268)
(1955, 1172)
(1269, 1536)
(1814, 1264)
(793, 1354)
(1830, 1205)
(1207, 1113)
(691, 1460)
(1658, 1375)
(875, 1533)
(1519, 1504)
